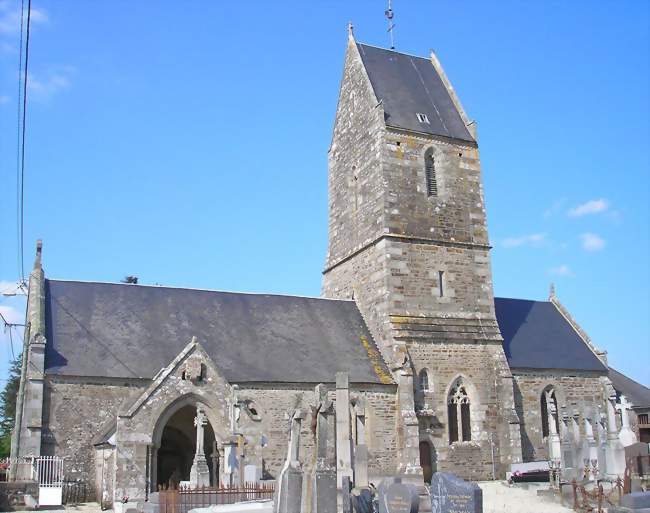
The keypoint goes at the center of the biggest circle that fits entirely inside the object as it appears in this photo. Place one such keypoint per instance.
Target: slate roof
(119, 330)
(636, 393)
(407, 85)
(537, 336)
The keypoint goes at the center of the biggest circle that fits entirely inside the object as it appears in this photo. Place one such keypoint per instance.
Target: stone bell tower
(408, 241)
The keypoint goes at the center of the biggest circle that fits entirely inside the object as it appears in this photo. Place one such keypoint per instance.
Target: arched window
(458, 413)
(423, 380)
(548, 404)
(430, 173)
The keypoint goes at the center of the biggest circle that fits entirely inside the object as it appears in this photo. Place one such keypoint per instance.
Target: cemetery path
(88, 507)
(498, 497)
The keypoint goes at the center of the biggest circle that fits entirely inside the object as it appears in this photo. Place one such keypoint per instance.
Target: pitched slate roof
(636, 393)
(537, 336)
(407, 85)
(119, 330)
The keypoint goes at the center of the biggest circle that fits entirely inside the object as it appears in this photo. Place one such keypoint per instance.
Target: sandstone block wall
(572, 388)
(479, 365)
(74, 412)
(77, 409)
(356, 197)
(273, 403)
(389, 241)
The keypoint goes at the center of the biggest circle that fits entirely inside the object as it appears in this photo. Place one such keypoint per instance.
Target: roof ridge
(523, 299)
(200, 289)
(393, 51)
(629, 378)
(564, 312)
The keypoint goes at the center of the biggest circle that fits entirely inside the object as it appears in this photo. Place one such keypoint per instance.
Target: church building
(443, 375)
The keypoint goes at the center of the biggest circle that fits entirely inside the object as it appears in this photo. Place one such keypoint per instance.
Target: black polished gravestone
(397, 497)
(362, 500)
(451, 494)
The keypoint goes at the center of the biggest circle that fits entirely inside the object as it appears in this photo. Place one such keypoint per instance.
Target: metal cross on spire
(389, 16)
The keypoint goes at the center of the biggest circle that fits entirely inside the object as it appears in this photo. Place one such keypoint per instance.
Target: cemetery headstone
(637, 457)
(633, 503)
(451, 494)
(397, 497)
(289, 493)
(362, 500)
(324, 492)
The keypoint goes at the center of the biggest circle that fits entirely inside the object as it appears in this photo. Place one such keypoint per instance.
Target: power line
(22, 155)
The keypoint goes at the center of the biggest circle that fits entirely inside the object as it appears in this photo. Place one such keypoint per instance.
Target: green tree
(8, 407)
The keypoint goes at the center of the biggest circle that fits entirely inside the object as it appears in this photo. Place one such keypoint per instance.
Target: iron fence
(181, 500)
(75, 492)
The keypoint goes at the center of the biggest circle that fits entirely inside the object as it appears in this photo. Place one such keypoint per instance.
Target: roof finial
(389, 16)
(350, 30)
(551, 292)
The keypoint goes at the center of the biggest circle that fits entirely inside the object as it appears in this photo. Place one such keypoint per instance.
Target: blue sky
(186, 143)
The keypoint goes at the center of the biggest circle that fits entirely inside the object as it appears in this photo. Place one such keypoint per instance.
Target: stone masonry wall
(572, 388)
(77, 410)
(74, 412)
(478, 365)
(356, 197)
(388, 242)
(273, 402)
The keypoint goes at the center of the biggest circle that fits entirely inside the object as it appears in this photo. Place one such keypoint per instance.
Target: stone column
(200, 472)
(343, 434)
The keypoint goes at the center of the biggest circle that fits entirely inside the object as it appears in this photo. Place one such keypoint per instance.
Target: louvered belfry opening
(430, 172)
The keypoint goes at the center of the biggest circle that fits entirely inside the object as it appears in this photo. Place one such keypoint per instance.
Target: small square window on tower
(422, 118)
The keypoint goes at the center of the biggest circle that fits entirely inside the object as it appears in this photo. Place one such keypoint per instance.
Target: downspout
(20, 398)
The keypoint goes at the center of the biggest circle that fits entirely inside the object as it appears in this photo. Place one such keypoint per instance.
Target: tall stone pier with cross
(200, 472)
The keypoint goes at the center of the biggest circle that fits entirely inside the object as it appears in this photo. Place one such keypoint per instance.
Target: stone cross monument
(590, 446)
(554, 448)
(343, 435)
(568, 449)
(289, 494)
(323, 498)
(615, 452)
(626, 435)
(200, 472)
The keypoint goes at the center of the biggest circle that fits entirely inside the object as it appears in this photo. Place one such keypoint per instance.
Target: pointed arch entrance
(178, 447)
(175, 443)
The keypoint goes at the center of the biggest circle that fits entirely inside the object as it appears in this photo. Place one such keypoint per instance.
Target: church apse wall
(574, 390)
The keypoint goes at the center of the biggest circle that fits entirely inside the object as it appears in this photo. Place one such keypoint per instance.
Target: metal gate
(48, 471)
